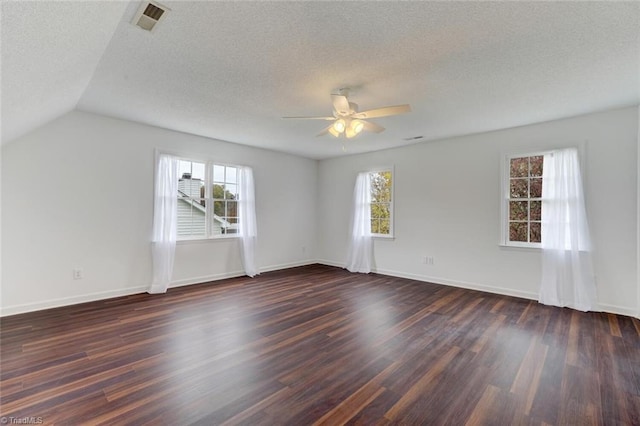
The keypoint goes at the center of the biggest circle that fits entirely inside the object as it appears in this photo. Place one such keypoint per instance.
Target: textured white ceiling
(230, 70)
(49, 53)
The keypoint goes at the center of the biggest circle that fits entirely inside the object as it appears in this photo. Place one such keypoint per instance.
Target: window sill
(383, 237)
(520, 247)
(206, 240)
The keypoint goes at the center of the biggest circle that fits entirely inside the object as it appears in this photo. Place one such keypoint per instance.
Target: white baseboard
(235, 274)
(92, 297)
(462, 284)
(614, 309)
(288, 265)
(620, 310)
(205, 279)
(331, 263)
(73, 300)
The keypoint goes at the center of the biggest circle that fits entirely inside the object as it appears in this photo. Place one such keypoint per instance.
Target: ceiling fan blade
(340, 104)
(325, 130)
(372, 127)
(311, 118)
(383, 112)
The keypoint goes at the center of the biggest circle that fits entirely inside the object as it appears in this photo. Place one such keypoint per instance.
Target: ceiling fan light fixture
(356, 126)
(349, 132)
(347, 120)
(339, 126)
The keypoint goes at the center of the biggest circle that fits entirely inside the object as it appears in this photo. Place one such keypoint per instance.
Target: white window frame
(505, 192)
(208, 185)
(391, 234)
(581, 146)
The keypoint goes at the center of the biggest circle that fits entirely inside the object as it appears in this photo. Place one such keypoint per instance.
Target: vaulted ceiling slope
(229, 70)
(50, 51)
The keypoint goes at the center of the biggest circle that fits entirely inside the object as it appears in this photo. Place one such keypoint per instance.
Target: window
(381, 203)
(523, 200)
(225, 199)
(207, 200)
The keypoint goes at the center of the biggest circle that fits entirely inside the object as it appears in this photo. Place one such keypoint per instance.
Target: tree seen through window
(381, 207)
(525, 199)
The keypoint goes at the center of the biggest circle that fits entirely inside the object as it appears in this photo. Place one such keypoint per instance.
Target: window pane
(232, 175)
(381, 194)
(218, 173)
(535, 234)
(380, 211)
(231, 209)
(231, 191)
(519, 188)
(218, 208)
(519, 167)
(517, 210)
(536, 165)
(190, 187)
(536, 210)
(536, 188)
(197, 171)
(387, 176)
(525, 191)
(184, 167)
(229, 225)
(191, 218)
(184, 217)
(381, 186)
(217, 191)
(384, 227)
(518, 231)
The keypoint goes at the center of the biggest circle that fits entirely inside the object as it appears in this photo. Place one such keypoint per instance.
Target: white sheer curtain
(165, 214)
(360, 254)
(247, 227)
(567, 272)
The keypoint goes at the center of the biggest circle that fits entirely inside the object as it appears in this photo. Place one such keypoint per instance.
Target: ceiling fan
(350, 122)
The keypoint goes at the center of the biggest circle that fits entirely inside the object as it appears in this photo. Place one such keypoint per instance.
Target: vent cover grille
(149, 14)
(153, 12)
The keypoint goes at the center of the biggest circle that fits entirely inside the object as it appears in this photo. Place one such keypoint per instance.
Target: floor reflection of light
(215, 340)
(374, 316)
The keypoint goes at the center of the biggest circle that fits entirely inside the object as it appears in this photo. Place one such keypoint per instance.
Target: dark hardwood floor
(318, 345)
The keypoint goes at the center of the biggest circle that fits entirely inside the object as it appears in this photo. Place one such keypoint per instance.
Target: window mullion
(207, 200)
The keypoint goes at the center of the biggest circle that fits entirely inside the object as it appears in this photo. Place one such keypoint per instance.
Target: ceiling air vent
(149, 14)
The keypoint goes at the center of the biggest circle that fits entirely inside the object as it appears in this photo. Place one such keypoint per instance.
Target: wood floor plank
(319, 345)
(415, 391)
(527, 380)
(495, 407)
(351, 406)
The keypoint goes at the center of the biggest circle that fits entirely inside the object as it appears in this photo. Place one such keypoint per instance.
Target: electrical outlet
(304, 249)
(428, 260)
(77, 274)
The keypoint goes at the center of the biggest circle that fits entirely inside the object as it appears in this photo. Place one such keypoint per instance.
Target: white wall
(638, 219)
(78, 193)
(64, 207)
(447, 205)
